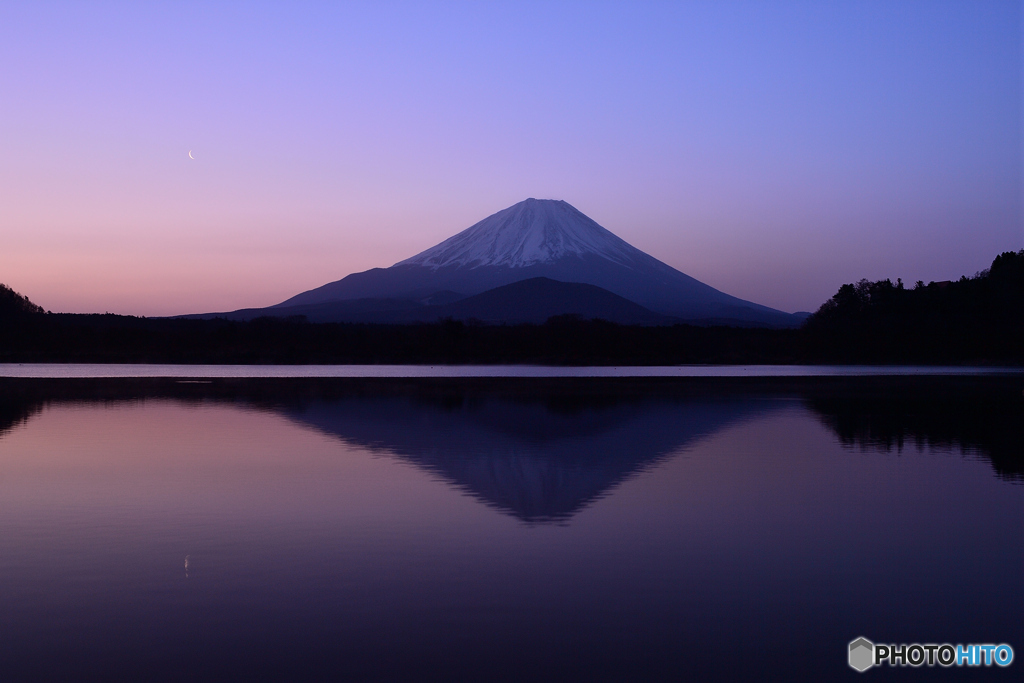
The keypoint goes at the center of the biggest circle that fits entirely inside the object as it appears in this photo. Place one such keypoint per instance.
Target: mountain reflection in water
(544, 451)
(536, 461)
(561, 530)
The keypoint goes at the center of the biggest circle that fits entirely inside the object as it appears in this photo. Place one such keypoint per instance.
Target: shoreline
(467, 371)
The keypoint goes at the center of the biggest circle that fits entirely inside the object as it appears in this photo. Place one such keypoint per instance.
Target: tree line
(977, 319)
(973, 319)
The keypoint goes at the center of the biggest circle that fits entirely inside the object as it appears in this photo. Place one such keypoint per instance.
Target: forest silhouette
(974, 320)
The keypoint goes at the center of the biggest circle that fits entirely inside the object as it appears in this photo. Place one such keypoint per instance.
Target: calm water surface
(478, 535)
(81, 370)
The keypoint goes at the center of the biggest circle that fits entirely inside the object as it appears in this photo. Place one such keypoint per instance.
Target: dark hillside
(14, 305)
(977, 319)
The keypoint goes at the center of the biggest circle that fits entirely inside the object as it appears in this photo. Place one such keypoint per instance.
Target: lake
(563, 529)
(85, 370)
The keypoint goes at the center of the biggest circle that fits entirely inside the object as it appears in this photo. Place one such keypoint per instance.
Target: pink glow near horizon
(772, 152)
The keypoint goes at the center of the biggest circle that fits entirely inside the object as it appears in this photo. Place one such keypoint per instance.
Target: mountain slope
(528, 301)
(537, 299)
(549, 239)
(530, 233)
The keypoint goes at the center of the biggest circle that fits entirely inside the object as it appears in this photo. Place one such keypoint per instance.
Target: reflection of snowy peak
(523, 456)
(529, 233)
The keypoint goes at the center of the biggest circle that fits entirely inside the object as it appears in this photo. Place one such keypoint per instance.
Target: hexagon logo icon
(862, 654)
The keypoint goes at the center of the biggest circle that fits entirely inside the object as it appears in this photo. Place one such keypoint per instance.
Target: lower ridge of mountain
(526, 301)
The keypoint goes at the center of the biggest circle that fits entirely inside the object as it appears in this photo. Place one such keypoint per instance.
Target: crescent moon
(190, 155)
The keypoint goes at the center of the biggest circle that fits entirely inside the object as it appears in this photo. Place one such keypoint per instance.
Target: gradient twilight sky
(774, 150)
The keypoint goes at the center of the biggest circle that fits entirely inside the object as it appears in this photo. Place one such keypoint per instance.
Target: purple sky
(773, 150)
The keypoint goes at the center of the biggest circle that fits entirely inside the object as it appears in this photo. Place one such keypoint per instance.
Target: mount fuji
(536, 238)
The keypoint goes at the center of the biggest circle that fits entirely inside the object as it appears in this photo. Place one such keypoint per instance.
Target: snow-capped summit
(531, 232)
(537, 238)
